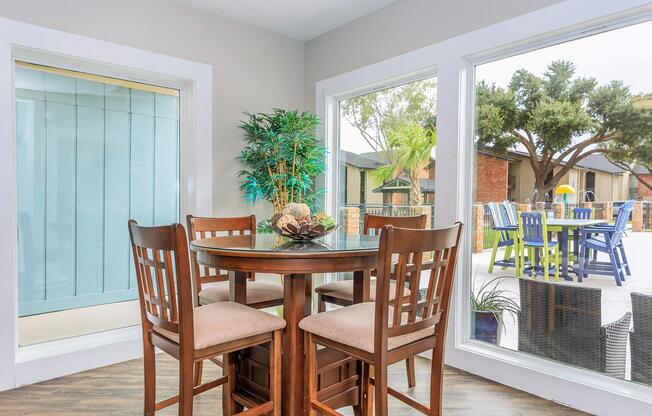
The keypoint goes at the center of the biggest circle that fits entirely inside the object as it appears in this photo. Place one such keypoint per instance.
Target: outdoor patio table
(565, 226)
(296, 262)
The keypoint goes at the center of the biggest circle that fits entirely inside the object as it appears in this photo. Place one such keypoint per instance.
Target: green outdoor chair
(504, 236)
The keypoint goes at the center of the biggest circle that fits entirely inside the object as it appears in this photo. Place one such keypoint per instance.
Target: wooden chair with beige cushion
(212, 285)
(384, 332)
(192, 334)
(341, 292)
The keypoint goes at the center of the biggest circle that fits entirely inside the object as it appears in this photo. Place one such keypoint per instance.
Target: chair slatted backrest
(202, 227)
(582, 213)
(163, 275)
(431, 252)
(374, 223)
(533, 227)
(621, 222)
(511, 214)
(500, 218)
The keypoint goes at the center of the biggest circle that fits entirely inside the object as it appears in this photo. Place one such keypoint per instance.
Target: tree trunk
(541, 187)
(415, 189)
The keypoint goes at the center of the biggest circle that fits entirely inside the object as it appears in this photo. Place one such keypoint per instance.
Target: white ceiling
(298, 19)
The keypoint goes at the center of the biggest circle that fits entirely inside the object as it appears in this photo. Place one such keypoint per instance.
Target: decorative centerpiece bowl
(296, 223)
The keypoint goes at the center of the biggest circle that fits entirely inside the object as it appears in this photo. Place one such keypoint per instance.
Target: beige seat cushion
(257, 292)
(222, 322)
(354, 326)
(343, 289)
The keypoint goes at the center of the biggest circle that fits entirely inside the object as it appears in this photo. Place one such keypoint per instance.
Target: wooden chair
(385, 332)
(192, 334)
(212, 285)
(341, 292)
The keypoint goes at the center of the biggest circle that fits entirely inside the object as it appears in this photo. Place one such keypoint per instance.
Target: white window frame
(21, 41)
(454, 60)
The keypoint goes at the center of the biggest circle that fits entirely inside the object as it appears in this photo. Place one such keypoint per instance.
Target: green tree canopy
(636, 150)
(377, 113)
(558, 118)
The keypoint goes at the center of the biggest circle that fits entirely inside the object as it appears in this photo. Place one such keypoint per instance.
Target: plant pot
(486, 327)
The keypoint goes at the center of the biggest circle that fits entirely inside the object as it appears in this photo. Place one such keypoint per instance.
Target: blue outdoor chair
(629, 205)
(533, 236)
(578, 214)
(504, 236)
(604, 239)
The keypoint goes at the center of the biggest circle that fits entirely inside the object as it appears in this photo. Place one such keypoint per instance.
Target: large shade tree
(558, 119)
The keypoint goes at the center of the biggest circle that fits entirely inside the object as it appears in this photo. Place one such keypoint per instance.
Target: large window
(386, 151)
(562, 140)
(92, 152)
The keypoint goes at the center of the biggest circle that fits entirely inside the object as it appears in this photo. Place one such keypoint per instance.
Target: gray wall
(253, 69)
(401, 27)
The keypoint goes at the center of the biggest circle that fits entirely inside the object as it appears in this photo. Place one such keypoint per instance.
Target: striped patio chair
(504, 236)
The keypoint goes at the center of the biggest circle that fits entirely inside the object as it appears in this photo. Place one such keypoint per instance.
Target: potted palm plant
(281, 159)
(488, 307)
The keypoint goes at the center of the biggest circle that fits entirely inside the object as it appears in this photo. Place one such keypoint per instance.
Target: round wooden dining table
(296, 262)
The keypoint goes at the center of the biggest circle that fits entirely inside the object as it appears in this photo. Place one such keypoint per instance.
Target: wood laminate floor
(117, 390)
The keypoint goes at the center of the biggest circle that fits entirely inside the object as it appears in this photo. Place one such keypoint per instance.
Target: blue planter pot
(485, 327)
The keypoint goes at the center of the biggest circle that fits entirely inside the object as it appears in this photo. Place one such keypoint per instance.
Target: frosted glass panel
(89, 157)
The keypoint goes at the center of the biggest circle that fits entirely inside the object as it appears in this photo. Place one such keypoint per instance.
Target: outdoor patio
(616, 301)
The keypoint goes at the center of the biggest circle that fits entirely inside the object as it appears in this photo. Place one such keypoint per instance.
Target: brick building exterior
(642, 191)
(492, 175)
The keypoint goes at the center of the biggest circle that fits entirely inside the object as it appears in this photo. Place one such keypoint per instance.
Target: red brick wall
(491, 178)
(643, 191)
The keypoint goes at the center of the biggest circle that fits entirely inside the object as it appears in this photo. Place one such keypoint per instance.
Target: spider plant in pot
(489, 304)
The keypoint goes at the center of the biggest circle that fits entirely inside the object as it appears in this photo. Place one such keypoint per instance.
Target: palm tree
(410, 145)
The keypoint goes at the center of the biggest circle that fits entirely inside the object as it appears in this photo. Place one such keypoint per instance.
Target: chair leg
(186, 380)
(436, 382)
(411, 375)
(614, 267)
(229, 406)
(517, 258)
(533, 263)
(623, 256)
(275, 372)
(149, 358)
(557, 265)
(311, 363)
(380, 390)
(582, 262)
(494, 250)
(506, 257)
(546, 263)
(619, 265)
(367, 393)
(199, 368)
(321, 305)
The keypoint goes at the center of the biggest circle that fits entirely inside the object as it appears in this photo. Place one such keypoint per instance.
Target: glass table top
(337, 241)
